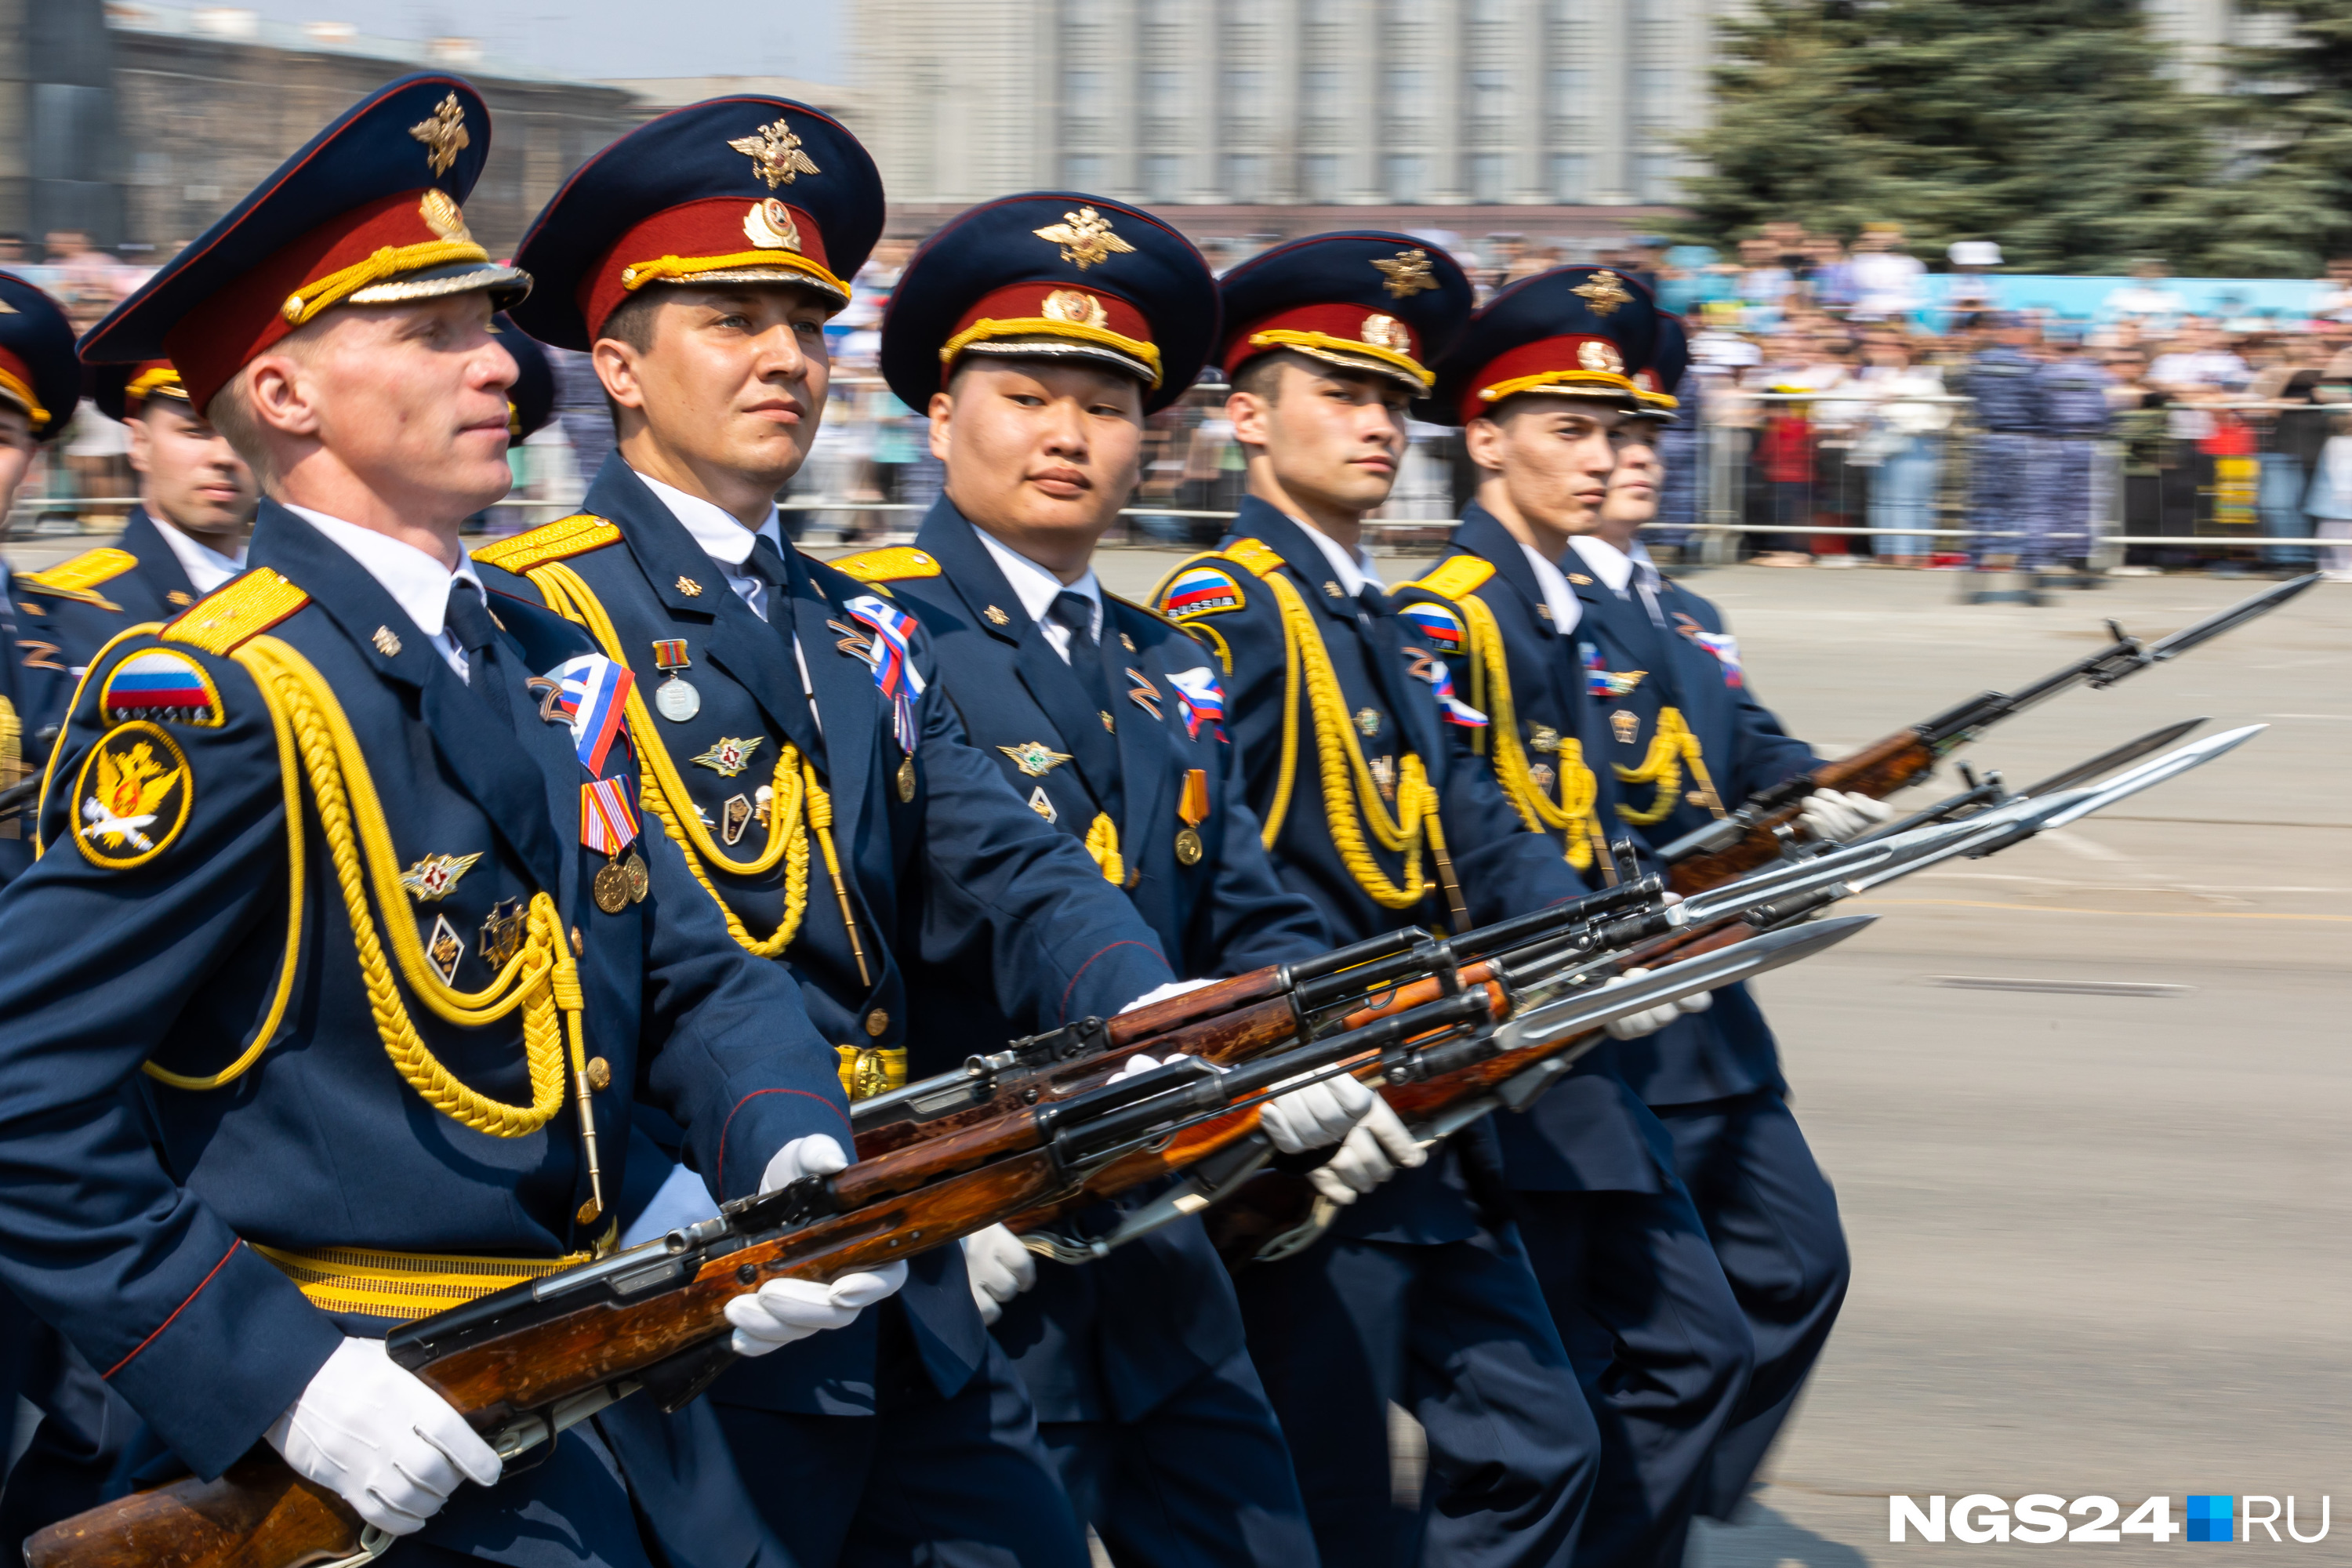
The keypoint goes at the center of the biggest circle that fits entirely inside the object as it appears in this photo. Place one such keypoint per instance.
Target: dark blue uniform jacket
(1115, 1337)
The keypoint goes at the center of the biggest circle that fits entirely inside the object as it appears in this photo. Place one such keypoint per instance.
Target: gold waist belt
(405, 1286)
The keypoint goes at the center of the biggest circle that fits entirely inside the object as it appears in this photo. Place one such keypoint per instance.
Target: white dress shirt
(724, 538)
(418, 583)
(1353, 571)
(728, 543)
(1626, 574)
(206, 568)
(1561, 598)
(1036, 588)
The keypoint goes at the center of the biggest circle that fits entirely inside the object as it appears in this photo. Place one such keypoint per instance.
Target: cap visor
(507, 286)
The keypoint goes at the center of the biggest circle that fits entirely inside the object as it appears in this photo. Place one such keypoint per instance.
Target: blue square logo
(2212, 1518)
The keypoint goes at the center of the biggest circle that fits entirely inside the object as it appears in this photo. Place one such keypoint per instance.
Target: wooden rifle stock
(1876, 771)
(258, 1514)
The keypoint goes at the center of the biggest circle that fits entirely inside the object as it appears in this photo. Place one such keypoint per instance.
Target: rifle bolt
(1029, 1096)
(747, 1274)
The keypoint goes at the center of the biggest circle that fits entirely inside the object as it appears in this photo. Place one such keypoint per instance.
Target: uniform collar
(418, 583)
(1608, 563)
(1565, 609)
(206, 568)
(1354, 571)
(719, 531)
(1035, 587)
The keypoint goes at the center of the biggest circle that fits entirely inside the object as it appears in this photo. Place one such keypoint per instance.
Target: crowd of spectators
(1829, 418)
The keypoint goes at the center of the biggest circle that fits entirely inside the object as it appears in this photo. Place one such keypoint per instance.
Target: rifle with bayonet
(1766, 824)
(524, 1363)
(1261, 1215)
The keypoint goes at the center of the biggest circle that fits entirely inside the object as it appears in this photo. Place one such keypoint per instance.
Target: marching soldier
(819, 790)
(1039, 331)
(1687, 739)
(329, 1004)
(1551, 382)
(1422, 1294)
(184, 538)
(40, 382)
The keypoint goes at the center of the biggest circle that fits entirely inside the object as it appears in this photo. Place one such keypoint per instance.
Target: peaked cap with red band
(368, 213)
(733, 190)
(1367, 300)
(124, 391)
(39, 376)
(1574, 332)
(1655, 383)
(1053, 275)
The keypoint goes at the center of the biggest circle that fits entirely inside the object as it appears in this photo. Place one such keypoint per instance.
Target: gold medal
(906, 780)
(612, 887)
(1193, 809)
(1188, 847)
(636, 877)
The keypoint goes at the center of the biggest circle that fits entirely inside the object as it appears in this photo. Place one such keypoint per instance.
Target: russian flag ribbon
(1202, 700)
(895, 675)
(594, 699)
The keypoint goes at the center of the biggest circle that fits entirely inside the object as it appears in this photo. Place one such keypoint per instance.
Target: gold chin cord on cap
(1323, 344)
(22, 395)
(382, 266)
(681, 269)
(991, 328)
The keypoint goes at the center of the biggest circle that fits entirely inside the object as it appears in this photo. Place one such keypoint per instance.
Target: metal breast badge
(676, 699)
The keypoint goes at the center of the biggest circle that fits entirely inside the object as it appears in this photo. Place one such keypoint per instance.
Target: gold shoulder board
(1255, 557)
(1457, 576)
(76, 578)
(565, 537)
(893, 564)
(236, 612)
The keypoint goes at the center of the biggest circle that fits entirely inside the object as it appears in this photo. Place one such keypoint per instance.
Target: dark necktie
(767, 564)
(1074, 614)
(469, 623)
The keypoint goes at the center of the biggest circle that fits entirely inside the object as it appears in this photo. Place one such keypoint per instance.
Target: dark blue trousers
(1202, 1481)
(1457, 1333)
(1773, 1219)
(86, 1441)
(1660, 1347)
(933, 1482)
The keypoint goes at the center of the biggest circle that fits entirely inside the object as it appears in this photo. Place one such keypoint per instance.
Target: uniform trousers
(1661, 1347)
(2001, 477)
(959, 1482)
(1457, 1333)
(87, 1441)
(1202, 1480)
(1773, 1219)
(2058, 525)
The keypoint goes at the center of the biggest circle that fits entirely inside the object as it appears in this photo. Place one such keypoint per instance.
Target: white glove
(783, 1310)
(1000, 1268)
(1161, 993)
(1141, 1062)
(1375, 1149)
(1833, 816)
(1317, 1116)
(1650, 1020)
(369, 1431)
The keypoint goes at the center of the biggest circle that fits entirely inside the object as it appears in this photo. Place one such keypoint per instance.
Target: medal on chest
(608, 824)
(1192, 807)
(675, 698)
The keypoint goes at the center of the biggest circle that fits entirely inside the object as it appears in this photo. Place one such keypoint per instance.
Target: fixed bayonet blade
(1740, 961)
(2221, 621)
(2108, 762)
(2170, 765)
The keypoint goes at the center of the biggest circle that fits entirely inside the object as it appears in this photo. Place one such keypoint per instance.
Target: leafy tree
(2289, 206)
(2051, 126)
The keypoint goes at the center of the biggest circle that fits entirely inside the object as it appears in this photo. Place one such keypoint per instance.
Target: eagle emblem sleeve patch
(132, 797)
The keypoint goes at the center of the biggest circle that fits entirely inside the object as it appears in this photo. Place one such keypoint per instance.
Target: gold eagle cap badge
(1408, 274)
(1605, 292)
(1386, 332)
(775, 153)
(445, 217)
(769, 225)
(1084, 238)
(1077, 306)
(444, 135)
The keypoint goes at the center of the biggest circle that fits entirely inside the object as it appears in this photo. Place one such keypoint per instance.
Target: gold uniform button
(875, 1022)
(600, 1074)
(578, 947)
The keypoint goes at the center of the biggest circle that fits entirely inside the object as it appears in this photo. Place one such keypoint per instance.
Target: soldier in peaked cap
(1685, 735)
(1039, 330)
(185, 537)
(261, 1099)
(788, 706)
(1422, 1295)
(40, 381)
(1552, 381)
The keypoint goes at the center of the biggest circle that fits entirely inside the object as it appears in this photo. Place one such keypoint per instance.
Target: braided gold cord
(1671, 746)
(1579, 791)
(541, 980)
(1339, 756)
(795, 801)
(1102, 843)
